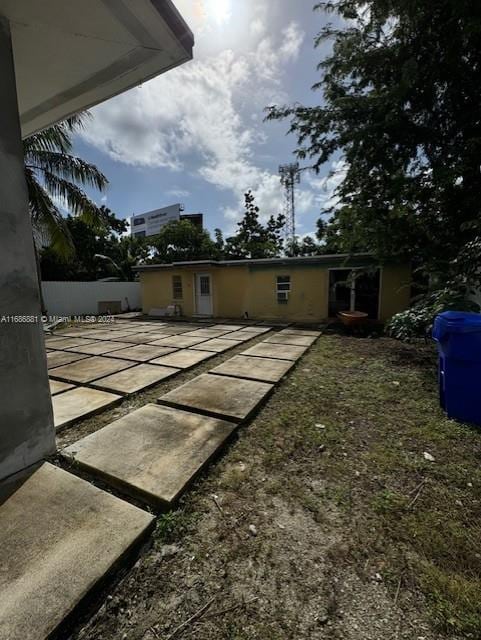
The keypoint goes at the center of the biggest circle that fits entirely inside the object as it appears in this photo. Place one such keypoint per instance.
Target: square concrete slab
(57, 387)
(257, 330)
(180, 341)
(239, 336)
(134, 338)
(174, 330)
(299, 332)
(78, 403)
(107, 334)
(263, 369)
(183, 359)
(152, 453)
(228, 327)
(220, 396)
(59, 537)
(142, 352)
(59, 358)
(207, 333)
(135, 379)
(65, 343)
(282, 351)
(99, 347)
(218, 345)
(300, 341)
(157, 335)
(90, 369)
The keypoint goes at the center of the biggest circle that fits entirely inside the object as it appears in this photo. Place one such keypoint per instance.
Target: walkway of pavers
(60, 535)
(153, 453)
(103, 363)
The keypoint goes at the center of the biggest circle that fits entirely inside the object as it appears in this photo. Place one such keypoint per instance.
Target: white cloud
(199, 118)
(178, 193)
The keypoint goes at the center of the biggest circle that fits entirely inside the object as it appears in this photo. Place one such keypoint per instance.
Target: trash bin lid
(456, 322)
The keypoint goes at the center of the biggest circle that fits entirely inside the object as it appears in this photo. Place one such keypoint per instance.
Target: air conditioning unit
(283, 296)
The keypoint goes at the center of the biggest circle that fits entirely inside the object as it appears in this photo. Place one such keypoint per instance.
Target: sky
(197, 135)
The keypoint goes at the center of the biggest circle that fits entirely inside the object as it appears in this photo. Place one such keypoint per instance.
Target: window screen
(177, 287)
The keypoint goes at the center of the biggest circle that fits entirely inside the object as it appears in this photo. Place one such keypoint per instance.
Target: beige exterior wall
(395, 290)
(252, 289)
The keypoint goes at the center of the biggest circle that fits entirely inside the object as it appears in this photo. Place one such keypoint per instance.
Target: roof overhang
(72, 54)
(333, 259)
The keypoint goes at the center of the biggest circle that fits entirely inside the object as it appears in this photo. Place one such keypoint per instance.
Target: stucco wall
(395, 290)
(82, 298)
(252, 289)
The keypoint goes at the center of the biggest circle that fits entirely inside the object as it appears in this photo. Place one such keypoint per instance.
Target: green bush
(417, 321)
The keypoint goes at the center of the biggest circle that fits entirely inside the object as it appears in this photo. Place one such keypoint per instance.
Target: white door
(203, 294)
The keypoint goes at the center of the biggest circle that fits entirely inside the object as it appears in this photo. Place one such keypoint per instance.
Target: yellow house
(302, 289)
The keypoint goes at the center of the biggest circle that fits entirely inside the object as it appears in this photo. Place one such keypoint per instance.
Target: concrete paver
(57, 387)
(218, 345)
(263, 369)
(100, 347)
(207, 333)
(300, 332)
(229, 398)
(59, 358)
(134, 338)
(228, 327)
(183, 359)
(300, 341)
(142, 352)
(123, 335)
(60, 535)
(179, 341)
(282, 351)
(65, 343)
(135, 379)
(239, 336)
(152, 453)
(175, 329)
(80, 403)
(90, 369)
(257, 330)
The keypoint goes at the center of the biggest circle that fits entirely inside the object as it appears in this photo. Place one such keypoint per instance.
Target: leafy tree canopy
(254, 239)
(401, 93)
(99, 252)
(182, 241)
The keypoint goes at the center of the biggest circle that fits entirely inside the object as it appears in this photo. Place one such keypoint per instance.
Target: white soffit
(72, 54)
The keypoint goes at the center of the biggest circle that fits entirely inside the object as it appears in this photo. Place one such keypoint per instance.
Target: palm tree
(53, 175)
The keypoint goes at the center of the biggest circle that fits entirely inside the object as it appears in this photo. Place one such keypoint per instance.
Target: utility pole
(290, 176)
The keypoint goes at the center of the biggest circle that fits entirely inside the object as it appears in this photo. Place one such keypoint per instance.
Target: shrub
(417, 321)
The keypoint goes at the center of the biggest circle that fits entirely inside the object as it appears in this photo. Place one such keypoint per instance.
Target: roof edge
(299, 260)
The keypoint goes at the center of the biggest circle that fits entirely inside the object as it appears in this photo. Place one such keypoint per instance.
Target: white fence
(83, 298)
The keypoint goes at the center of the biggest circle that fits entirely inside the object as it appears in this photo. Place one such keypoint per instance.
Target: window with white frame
(283, 288)
(177, 293)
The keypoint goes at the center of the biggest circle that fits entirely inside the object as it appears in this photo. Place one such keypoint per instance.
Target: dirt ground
(325, 518)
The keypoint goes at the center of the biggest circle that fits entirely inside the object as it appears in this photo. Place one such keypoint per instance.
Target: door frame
(379, 293)
(197, 274)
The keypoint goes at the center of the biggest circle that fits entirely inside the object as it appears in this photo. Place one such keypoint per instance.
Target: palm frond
(47, 221)
(75, 198)
(65, 166)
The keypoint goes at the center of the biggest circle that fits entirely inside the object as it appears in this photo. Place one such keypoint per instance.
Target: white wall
(80, 298)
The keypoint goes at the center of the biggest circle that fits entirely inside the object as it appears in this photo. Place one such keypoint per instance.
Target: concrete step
(153, 453)
(59, 536)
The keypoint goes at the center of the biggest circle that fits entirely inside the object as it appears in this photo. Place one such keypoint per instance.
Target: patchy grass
(359, 536)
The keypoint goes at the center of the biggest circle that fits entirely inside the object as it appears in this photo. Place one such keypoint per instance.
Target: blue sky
(196, 134)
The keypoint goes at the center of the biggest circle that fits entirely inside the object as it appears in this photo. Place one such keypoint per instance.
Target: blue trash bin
(458, 337)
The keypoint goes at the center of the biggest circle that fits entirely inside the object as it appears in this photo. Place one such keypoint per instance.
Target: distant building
(150, 223)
